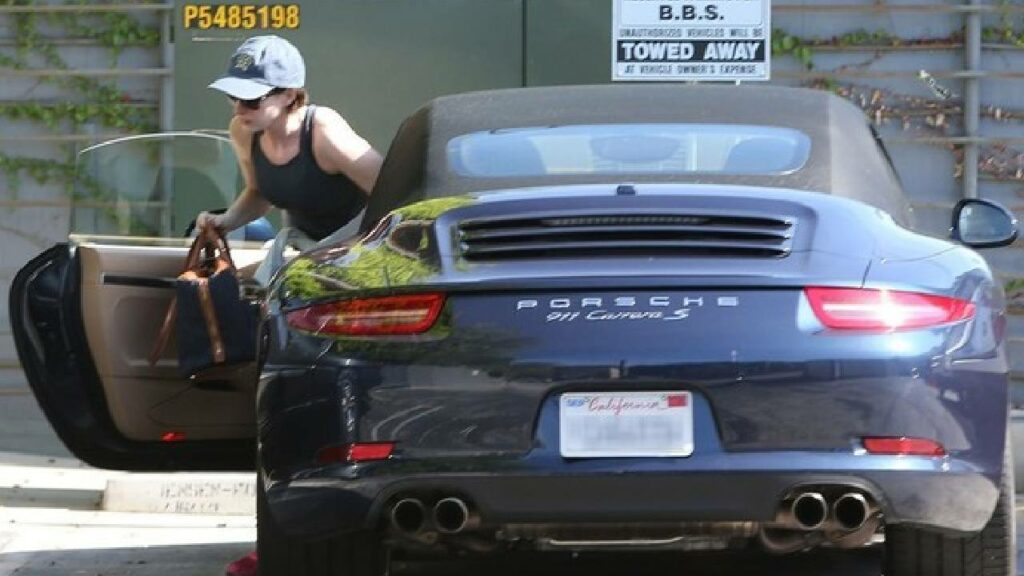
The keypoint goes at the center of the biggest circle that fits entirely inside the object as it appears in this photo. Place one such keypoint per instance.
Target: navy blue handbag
(214, 326)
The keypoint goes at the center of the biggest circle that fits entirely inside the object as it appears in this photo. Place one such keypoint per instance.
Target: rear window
(629, 149)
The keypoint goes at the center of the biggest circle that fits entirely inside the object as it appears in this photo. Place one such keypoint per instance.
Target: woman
(301, 158)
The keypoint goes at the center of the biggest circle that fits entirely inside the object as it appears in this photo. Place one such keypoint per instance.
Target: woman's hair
(301, 99)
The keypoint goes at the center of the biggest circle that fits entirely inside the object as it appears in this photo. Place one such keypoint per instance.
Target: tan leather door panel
(126, 289)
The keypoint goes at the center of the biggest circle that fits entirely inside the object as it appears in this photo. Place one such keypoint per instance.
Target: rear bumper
(719, 482)
(941, 494)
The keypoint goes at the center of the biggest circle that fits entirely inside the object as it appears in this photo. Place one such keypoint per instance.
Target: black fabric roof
(845, 159)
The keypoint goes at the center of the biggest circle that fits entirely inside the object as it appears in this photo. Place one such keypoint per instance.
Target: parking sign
(679, 40)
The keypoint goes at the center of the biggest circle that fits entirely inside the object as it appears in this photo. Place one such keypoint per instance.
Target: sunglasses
(255, 103)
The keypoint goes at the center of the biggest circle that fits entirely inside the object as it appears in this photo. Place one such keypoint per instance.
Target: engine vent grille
(596, 235)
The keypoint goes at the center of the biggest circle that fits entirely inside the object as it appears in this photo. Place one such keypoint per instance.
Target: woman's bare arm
(249, 205)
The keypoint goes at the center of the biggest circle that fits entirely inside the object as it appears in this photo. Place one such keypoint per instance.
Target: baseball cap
(261, 64)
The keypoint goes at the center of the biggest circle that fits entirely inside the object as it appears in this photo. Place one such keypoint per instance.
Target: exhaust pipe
(851, 511)
(408, 515)
(809, 510)
(452, 515)
(783, 541)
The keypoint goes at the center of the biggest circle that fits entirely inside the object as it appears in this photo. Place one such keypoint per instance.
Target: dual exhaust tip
(449, 516)
(849, 512)
(808, 511)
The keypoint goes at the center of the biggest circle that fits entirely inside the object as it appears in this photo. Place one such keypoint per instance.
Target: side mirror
(983, 224)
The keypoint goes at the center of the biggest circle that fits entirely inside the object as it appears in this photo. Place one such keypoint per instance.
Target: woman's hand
(205, 219)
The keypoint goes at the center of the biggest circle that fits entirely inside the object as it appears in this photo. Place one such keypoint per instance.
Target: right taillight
(382, 316)
(868, 309)
(903, 446)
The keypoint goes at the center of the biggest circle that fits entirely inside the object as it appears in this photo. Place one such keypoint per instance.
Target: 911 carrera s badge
(621, 308)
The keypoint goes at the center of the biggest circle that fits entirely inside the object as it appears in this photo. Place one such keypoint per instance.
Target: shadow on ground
(24, 429)
(209, 560)
(185, 560)
(831, 562)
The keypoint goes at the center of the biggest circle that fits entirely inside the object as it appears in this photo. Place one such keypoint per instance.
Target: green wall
(375, 61)
(568, 42)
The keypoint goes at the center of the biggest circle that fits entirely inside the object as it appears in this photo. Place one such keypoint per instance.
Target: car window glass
(152, 185)
(629, 149)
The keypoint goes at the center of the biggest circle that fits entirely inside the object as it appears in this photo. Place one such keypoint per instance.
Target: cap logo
(243, 62)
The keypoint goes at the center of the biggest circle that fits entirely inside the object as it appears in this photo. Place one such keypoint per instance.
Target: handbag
(214, 326)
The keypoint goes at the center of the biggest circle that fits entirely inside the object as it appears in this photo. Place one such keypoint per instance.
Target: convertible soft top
(845, 158)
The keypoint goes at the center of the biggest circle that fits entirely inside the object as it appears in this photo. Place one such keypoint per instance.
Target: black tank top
(318, 203)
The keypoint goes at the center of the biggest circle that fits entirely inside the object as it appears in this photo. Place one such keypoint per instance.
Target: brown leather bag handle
(208, 240)
(221, 243)
(192, 259)
(165, 331)
(214, 243)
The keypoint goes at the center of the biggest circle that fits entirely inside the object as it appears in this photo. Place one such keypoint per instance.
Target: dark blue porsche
(581, 318)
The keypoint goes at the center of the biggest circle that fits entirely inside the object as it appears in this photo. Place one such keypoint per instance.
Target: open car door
(85, 313)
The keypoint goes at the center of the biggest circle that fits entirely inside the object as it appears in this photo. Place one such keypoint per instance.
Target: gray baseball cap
(261, 64)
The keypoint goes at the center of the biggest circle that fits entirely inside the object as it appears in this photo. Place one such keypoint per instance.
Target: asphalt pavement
(56, 541)
(36, 470)
(59, 516)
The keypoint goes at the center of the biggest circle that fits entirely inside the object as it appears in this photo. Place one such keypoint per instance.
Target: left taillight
(867, 309)
(383, 316)
(354, 453)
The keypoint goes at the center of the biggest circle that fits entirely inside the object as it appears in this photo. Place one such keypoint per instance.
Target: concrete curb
(41, 481)
(182, 493)
(1017, 434)
(47, 482)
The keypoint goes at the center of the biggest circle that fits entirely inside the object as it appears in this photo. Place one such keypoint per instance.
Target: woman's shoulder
(328, 118)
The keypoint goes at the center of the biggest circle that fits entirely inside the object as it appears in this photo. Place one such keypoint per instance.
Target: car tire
(991, 552)
(350, 554)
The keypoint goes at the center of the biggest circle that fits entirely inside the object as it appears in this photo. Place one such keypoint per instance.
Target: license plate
(624, 424)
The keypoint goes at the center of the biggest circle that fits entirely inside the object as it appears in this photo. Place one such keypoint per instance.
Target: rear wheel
(352, 554)
(991, 552)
